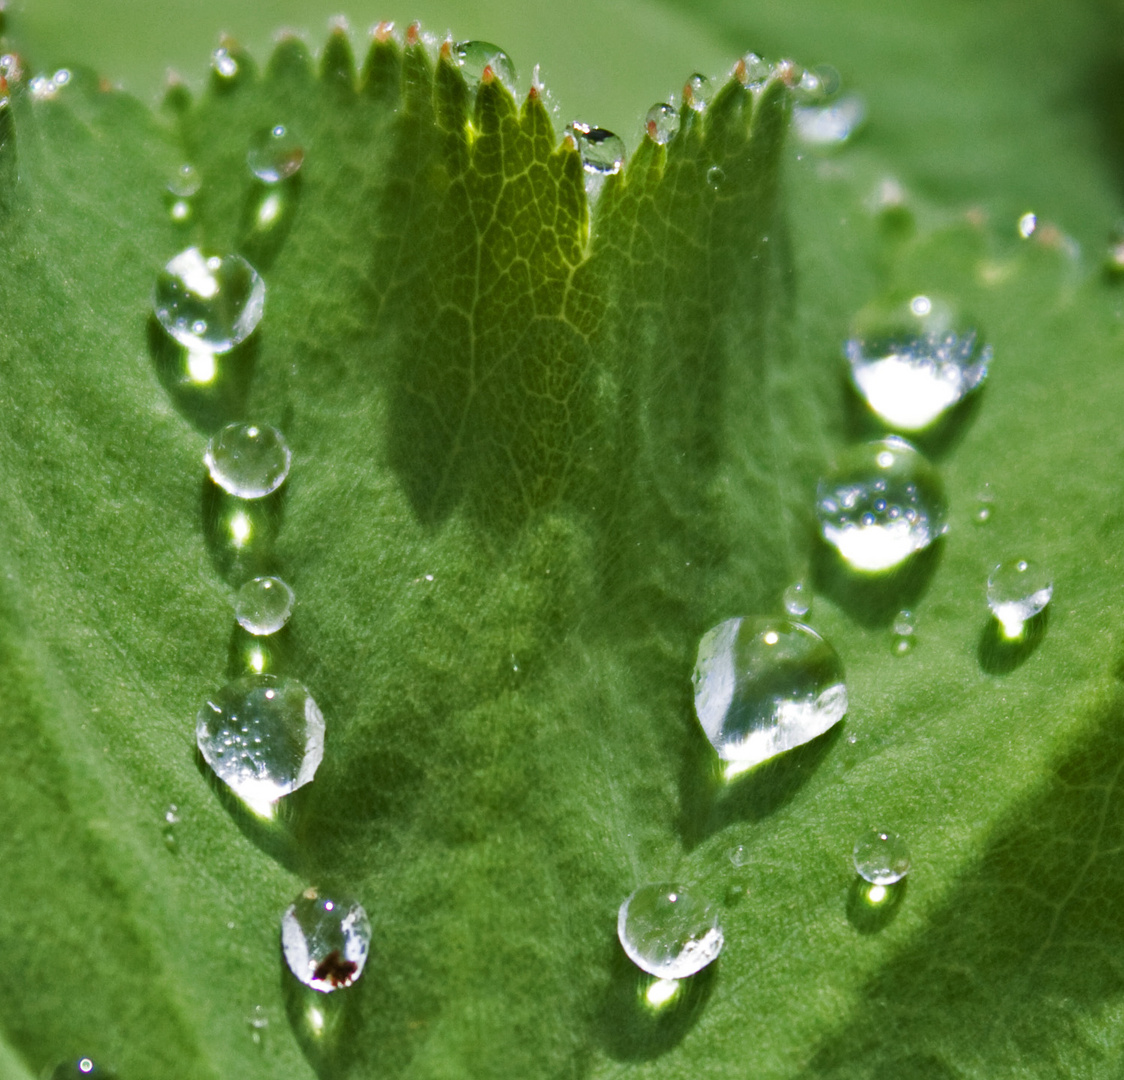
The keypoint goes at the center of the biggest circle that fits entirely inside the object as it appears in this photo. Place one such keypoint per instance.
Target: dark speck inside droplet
(335, 969)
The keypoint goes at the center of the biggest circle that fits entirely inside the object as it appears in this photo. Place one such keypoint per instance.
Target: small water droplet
(171, 820)
(258, 1022)
(1114, 257)
(263, 735)
(1017, 591)
(797, 599)
(662, 123)
(1027, 225)
(10, 68)
(831, 124)
(881, 857)
(275, 154)
(911, 364)
(325, 940)
(697, 93)
(763, 687)
(715, 176)
(904, 633)
(248, 460)
(185, 182)
(883, 503)
(208, 303)
(984, 500)
(667, 932)
(224, 64)
(739, 855)
(602, 152)
(82, 1068)
(263, 605)
(474, 56)
(752, 71)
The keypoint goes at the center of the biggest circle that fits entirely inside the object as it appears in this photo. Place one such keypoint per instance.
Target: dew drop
(715, 176)
(662, 123)
(248, 460)
(883, 503)
(263, 735)
(797, 599)
(982, 513)
(82, 1068)
(1017, 591)
(904, 631)
(752, 71)
(171, 820)
(831, 124)
(763, 687)
(325, 940)
(185, 182)
(881, 857)
(258, 1022)
(667, 932)
(474, 56)
(275, 154)
(602, 152)
(1027, 225)
(697, 93)
(224, 64)
(263, 605)
(738, 856)
(912, 364)
(208, 303)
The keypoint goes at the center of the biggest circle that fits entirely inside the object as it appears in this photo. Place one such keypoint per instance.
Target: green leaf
(537, 454)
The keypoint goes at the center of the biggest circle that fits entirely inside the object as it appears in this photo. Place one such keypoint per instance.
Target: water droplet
(263, 605)
(325, 940)
(11, 69)
(797, 599)
(911, 364)
(715, 176)
(46, 87)
(83, 1068)
(208, 303)
(829, 125)
(763, 687)
(248, 460)
(185, 182)
(258, 1021)
(275, 154)
(662, 123)
(984, 500)
(601, 151)
(739, 855)
(697, 92)
(903, 633)
(171, 820)
(752, 71)
(1016, 592)
(224, 64)
(883, 503)
(474, 56)
(263, 735)
(1027, 225)
(667, 932)
(881, 857)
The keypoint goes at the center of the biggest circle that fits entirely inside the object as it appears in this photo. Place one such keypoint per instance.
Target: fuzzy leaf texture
(538, 451)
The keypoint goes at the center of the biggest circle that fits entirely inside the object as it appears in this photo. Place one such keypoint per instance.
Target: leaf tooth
(382, 70)
(413, 34)
(723, 126)
(337, 64)
(417, 76)
(291, 61)
(450, 92)
(494, 105)
(177, 96)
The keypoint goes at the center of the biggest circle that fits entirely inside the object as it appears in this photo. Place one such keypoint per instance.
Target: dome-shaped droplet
(752, 71)
(830, 124)
(325, 940)
(275, 154)
(763, 687)
(739, 856)
(263, 605)
(81, 1068)
(1017, 591)
(662, 123)
(697, 92)
(668, 932)
(248, 460)
(263, 735)
(911, 363)
(224, 64)
(715, 176)
(474, 56)
(601, 151)
(883, 503)
(185, 182)
(881, 857)
(209, 303)
(797, 599)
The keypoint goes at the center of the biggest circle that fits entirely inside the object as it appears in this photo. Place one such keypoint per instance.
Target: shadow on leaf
(999, 654)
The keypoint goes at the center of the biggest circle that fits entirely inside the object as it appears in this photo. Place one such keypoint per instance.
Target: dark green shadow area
(325, 1025)
(710, 803)
(874, 599)
(999, 654)
(240, 534)
(867, 911)
(633, 1026)
(267, 218)
(1026, 953)
(249, 654)
(206, 403)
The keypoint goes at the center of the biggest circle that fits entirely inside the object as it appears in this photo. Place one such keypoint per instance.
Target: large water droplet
(601, 151)
(667, 932)
(1016, 592)
(275, 154)
(263, 605)
(209, 303)
(263, 735)
(829, 125)
(662, 123)
(248, 460)
(474, 56)
(883, 503)
(763, 687)
(881, 857)
(325, 940)
(797, 599)
(911, 364)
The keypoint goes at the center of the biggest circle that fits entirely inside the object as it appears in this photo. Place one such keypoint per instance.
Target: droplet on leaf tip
(662, 123)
